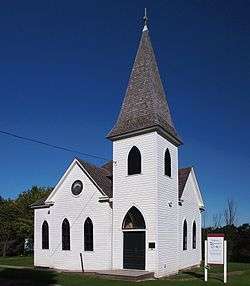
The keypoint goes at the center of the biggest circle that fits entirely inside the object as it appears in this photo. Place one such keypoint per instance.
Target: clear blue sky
(64, 68)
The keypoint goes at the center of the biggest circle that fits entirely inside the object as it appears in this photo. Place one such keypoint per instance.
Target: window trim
(167, 173)
(45, 235)
(66, 244)
(130, 171)
(88, 235)
(184, 235)
(194, 235)
(134, 214)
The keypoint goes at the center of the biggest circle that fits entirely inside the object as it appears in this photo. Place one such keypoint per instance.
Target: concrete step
(128, 275)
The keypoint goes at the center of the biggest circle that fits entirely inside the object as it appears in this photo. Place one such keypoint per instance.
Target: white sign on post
(215, 253)
(215, 245)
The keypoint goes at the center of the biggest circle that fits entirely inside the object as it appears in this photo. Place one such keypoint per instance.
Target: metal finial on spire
(145, 18)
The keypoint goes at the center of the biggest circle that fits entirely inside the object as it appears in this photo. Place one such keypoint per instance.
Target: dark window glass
(134, 161)
(45, 235)
(194, 235)
(167, 162)
(185, 235)
(133, 219)
(65, 235)
(88, 235)
(76, 188)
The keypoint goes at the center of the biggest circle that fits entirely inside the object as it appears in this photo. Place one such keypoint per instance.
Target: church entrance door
(134, 250)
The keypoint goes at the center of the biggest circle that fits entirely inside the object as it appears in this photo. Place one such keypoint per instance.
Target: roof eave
(41, 206)
(156, 128)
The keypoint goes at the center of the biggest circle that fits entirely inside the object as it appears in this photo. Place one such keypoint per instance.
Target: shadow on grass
(194, 274)
(200, 276)
(26, 277)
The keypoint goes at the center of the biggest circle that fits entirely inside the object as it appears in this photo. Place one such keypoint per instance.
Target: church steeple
(144, 108)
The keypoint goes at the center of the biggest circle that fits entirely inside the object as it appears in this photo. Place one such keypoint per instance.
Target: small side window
(167, 164)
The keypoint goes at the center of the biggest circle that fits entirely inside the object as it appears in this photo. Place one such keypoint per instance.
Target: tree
(8, 226)
(230, 212)
(17, 220)
(217, 220)
(25, 218)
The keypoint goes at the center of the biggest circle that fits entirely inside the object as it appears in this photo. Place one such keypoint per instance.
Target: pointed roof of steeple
(144, 108)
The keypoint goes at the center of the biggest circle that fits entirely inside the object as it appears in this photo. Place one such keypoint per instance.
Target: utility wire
(50, 145)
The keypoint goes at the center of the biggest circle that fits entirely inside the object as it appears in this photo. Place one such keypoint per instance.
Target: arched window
(134, 161)
(88, 235)
(185, 235)
(167, 163)
(45, 235)
(133, 219)
(65, 235)
(194, 235)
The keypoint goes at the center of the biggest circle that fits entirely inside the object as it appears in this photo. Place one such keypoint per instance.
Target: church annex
(137, 211)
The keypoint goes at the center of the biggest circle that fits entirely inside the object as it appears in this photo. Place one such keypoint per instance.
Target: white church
(137, 211)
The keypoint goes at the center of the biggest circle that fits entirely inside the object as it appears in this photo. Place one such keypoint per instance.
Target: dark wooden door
(134, 250)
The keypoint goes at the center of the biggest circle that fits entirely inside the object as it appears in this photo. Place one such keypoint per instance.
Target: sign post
(225, 261)
(215, 253)
(206, 266)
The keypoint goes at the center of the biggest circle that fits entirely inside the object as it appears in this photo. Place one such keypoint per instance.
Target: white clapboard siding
(76, 210)
(135, 190)
(167, 202)
(152, 192)
(191, 212)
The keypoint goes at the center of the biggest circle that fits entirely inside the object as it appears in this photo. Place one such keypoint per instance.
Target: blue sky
(64, 71)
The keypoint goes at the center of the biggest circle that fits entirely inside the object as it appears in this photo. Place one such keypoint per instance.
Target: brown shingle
(102, 176)
(145, 105)
(183, 176)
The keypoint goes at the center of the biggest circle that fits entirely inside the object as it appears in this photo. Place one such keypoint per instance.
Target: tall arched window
(133, 219)
(185, 235)
(45, 235)
(65, 235)
(88, 235)
(167, 163)
(134, 161)
(194, 235)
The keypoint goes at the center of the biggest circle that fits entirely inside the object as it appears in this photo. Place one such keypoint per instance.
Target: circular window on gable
(76, 188)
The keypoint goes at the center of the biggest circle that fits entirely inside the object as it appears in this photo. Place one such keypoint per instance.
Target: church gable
(191, 190)
(100, 177)
(75, 185)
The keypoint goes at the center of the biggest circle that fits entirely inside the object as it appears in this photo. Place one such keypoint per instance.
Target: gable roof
(102, 176)
(183, 176)
(40, 203)
(145, 107)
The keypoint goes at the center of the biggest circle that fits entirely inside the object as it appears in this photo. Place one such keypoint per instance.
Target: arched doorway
(133, 240)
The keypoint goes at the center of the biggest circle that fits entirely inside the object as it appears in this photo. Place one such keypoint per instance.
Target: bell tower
(145, 173)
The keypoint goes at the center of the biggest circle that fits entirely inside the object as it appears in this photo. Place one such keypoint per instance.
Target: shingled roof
(183, 176)
(102, 176)
(145, 107)
(40, 203)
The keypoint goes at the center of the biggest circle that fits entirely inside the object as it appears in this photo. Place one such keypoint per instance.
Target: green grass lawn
(27, 261)
(239, 275)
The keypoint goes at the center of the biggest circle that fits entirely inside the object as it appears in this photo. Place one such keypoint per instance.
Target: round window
(76, 188)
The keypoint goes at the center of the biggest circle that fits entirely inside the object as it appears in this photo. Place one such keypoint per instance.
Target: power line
(50, 145)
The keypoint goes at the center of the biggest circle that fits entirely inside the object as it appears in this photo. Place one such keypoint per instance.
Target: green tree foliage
(26, 214)
(238, 240)
(17, 219)
(8, 226)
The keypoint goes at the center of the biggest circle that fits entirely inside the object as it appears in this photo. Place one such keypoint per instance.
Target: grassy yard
(26, 261)
(239, 275)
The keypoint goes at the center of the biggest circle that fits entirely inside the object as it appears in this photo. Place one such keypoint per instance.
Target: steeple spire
(144, 108)
(145, 19)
